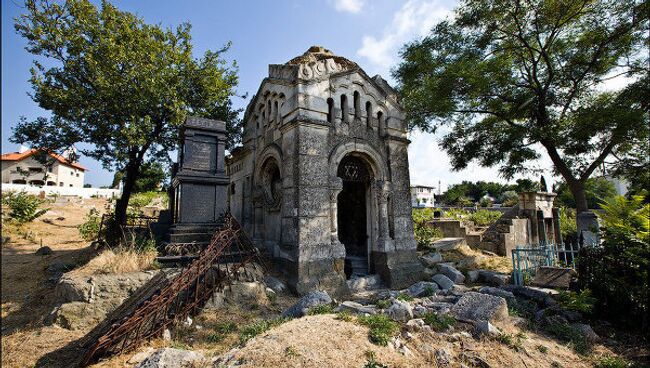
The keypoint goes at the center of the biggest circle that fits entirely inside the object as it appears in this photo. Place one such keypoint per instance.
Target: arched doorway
(353, 214)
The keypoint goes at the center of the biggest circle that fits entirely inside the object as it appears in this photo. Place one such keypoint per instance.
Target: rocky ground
(465, 314)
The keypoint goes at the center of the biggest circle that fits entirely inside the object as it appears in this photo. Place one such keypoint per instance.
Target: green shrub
(567, 218)
(249, 331)
(582, 302)
(456, 214)
(485, 202)
(321, 309)
(371, 361)
(509, 198)
(542, 349)
(438, 322)
(424, 233)
(614, 362)
(89, 230)
(513, 342)
(616, 272)
(221, 330)
(382, 303)
(484, 217)
(404, 297)
(344, 316)
(24, 207)
(382, 328)
(568, 334)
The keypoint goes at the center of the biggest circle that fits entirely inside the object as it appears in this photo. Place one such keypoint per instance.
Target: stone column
(335, 189)
(382, 191)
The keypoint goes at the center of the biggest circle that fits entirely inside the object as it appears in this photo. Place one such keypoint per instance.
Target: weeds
(344, 316)
(24, 207)
(615, 362)
(542, 349)
(249, 331)
(513, 342)
(291, 351)
(321, 309)
(382, 303)
(582, 302)
(382, 328)
(439, 322)
(568, 334)
(404, 297)
(221, 330)
(371, 361)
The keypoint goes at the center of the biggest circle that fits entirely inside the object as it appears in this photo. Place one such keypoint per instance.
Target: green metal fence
(527, 259)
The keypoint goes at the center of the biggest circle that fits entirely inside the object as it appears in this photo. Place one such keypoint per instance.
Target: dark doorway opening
(352, 215)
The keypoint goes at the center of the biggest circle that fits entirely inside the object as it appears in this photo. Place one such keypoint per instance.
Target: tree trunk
(130, 176)
(578, 190)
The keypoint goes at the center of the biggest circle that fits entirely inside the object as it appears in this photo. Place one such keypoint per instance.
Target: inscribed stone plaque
(198, 204)
(201, 154)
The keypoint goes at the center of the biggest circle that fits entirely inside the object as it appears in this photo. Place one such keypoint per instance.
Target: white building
(23, 168)
(423, 196)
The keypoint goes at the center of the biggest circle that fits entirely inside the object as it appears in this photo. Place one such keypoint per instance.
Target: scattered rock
(496, 292)
(275, 284)
(485, 328)
(422, 288)
(586, 331)
(554, 277)
(443, 357)
(452, 273)
(445, 244)
(493, 278)
(415, 325)
(172, 358)
(239, 293)
(572, 316)
(431, 259)
(355, 307)
(443, 281)
(310, 300)
(188, 321)
(141, 356)
(167, 335)
(419, 311)
(472, 276)
(541, 296)
(480, 307)
(43, 251)
(360, 283)
(77, 316)
(400, 311)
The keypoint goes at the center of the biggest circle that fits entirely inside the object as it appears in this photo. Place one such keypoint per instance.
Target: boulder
(554, 277)
(431, 259)
(172, 358)
(43, 251)
(485, 328)
(360, 283)
(415, 325)
(472, 276)
(355, 307)
(443, 281)
(541, 296)
(452, 273)
(422, 288)
(493, 278)
(78, 316)
(400, 310)
(473, 306)
(586, 331)
(496, 292)
(275, 284)
(310, 300)
(239, 293)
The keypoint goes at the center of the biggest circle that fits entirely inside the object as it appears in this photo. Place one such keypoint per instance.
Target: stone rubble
(310, 300)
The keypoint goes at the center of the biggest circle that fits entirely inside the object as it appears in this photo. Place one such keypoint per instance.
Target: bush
(616, 272)
(509, 198)
(382, 328)
(582, 302)
(89, 230)
(24, 207)
(484, 217)
(424, 233)
(456, 214)
(485, 202)
(567, 220)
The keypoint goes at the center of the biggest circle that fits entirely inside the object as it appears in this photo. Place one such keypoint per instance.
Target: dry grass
(469, 258)
(120, 260)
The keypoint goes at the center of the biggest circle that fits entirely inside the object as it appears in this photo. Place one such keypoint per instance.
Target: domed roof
(317, 53)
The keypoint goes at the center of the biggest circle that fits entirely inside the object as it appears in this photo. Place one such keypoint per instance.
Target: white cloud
(414, 19)
(348, 6)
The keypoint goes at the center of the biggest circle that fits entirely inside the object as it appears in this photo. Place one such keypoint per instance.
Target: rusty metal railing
(184, 295)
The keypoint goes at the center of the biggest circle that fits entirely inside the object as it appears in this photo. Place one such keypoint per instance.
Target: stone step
(448, 243)
(190, 237)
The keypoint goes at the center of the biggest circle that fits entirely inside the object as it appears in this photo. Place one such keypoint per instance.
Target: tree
(597, 191)
(119, 84)
(152, 175)
(507, 76)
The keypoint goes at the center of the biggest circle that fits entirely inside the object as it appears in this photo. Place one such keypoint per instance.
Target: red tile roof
(18, 156)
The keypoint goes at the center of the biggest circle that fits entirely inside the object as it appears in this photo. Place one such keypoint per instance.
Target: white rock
(400, 311)
(172, 358)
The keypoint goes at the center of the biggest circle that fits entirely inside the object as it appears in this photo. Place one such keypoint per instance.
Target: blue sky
(370, 32)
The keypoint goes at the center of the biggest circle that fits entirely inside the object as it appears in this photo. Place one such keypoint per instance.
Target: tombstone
(198, 192)
(587, 228)
(322, 179)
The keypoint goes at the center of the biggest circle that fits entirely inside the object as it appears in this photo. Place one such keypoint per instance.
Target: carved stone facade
(322, 179)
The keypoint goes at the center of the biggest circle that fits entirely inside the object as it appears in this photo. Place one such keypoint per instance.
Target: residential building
(23, 168)
(423, 196)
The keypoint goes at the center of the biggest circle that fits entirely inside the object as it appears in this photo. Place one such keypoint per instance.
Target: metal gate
(528, 258)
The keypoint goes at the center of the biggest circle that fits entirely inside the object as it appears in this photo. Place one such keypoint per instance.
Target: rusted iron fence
(185, 294)
(135, 223)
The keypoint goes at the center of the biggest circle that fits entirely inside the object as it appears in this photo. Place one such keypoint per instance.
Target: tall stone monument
(199, 181)
(322, 179)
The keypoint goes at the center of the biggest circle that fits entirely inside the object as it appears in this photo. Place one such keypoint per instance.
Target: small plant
(321, 309)
(221, 330)
(256, 328)
(428, 291)
(89, 230)
(382, 303)
(542, 349)
(371, 361)
(484, 217)
(382, 328)
(404, 297)
(344, 316)
(513, 342)
(24, 207)
(582, 302)
(568, 334)
(291, 351)
(439, 322)
(614, 362)
(424, 233)
(522, 308)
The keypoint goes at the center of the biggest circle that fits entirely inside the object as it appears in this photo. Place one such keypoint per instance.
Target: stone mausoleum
(322, 179)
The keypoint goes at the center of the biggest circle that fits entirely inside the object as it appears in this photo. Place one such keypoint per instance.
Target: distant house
(23, 168)
(423, 196)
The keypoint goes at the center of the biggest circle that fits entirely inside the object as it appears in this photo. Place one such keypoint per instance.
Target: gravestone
(199, 184)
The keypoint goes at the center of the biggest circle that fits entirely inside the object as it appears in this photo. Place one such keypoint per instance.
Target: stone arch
(363, 150)
(272, 151)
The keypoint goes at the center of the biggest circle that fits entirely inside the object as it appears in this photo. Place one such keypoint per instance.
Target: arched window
(357, 105)
(369, 114)
(344, 108)
(330, 110)
(380, 122)
(268, 111)
(276, 111)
